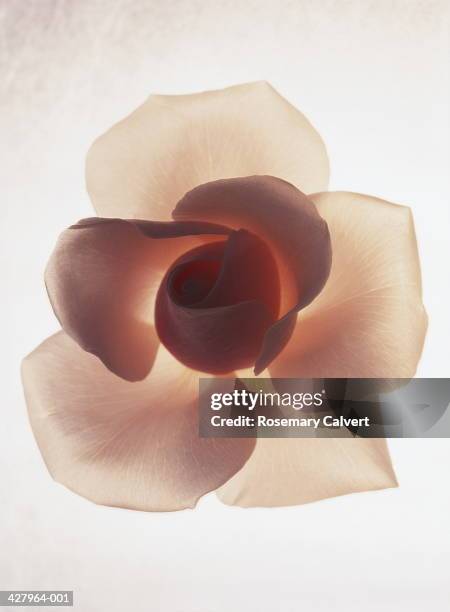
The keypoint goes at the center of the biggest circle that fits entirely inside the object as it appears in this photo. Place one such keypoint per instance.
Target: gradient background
(372, 76)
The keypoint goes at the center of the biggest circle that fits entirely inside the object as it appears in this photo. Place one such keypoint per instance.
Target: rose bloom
(208, 259)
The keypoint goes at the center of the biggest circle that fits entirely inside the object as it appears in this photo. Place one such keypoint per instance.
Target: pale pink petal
(132, 445)
(144, 164)
(287, 472)
(101, 282)
(368, 321)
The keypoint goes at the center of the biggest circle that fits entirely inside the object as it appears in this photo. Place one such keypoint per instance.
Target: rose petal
(223, 330)
(369, 321)
(132, 445)
(101, 278)
(143, 165)
(288, 222)
(248, 272)
(286, 472)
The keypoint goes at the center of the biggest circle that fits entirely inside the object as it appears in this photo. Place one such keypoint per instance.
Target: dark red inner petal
(248, 272)
(99, 279)
(216, 303)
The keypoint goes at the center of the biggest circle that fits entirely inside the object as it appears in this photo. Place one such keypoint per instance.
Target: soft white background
(372, 76)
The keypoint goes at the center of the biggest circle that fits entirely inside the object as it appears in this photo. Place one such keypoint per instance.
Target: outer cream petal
(143, 165)
(287, 472)
(369, 321)
(133, 445)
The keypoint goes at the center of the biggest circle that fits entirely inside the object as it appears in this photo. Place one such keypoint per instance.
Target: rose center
(216, 303)
(191, 282)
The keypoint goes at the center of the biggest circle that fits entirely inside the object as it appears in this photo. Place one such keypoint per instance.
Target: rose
(112, 398)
